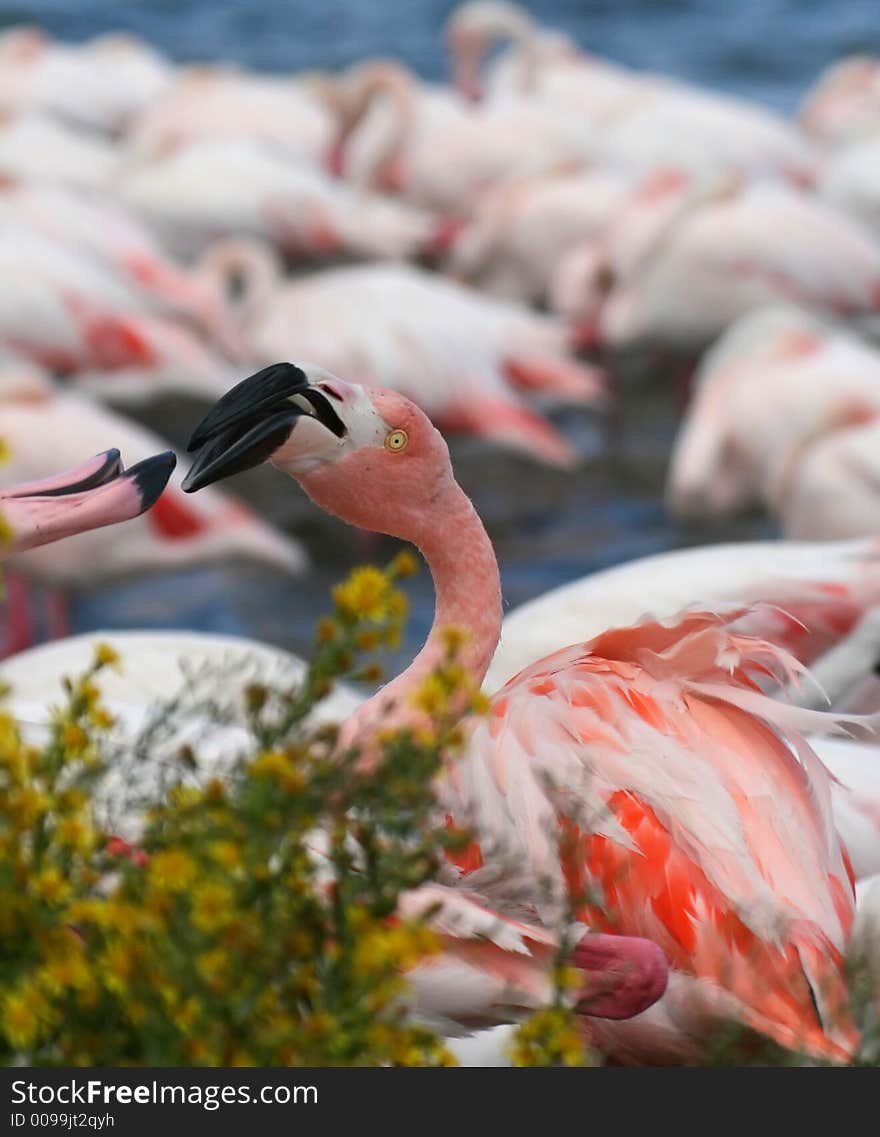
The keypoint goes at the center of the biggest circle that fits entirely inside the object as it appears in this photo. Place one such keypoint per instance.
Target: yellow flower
(51, 886)
(454, 638)
(73, 833)
(365, 595)
(213, 966)
(7, 533)
(404, 564)
(73, 738)
(106, 656)
(212, 907)
(172, 871)
(117, 964)
(431, 696)
(271, 764)
(25, 1012)
(226, 853)
(186, 1015)
(67, 971)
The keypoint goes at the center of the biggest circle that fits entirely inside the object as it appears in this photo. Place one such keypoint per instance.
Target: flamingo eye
(396, 440)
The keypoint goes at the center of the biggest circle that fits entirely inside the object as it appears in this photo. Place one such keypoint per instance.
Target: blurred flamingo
(243, 187)
(688, 258)
(844, 102)
(98, 225)
(770, 390)
(456, 352)
(35, 147)
(64, 308)
(210, 102)
(438, 152)
(99, 84)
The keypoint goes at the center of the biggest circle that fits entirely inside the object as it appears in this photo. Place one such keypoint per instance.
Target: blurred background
(128, 165)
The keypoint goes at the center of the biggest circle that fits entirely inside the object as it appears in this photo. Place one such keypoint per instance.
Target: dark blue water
(764, 49)
(547, 527)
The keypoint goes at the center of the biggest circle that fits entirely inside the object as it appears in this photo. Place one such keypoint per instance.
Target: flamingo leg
(18, 614)
(57, 615)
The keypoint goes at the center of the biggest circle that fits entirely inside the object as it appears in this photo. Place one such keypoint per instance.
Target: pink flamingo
(848, 180)
(521, 231)
(639, 121)
(34, 146)
(63, 308)
(457, 353)
(94, 494)
(844, 102)
(544, 64)
(243, 187)
(688, 259)
(650, 751)
(810, 380)
(97, 225)
(438, 152)
(99, 85)
(225, 102)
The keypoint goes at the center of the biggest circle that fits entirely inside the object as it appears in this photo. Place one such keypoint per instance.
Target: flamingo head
(97, 493)
(365, 454)
(471, 32)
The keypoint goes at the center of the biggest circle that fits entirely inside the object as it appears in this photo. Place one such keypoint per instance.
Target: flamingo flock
(492, 257)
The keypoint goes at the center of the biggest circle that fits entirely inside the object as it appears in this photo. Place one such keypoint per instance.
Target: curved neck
(240, 264)
(468, 596)
(395, 86)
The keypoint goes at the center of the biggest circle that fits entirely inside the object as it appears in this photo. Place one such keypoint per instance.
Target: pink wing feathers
(647, 775)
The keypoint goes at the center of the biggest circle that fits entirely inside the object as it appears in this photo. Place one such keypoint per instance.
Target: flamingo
(613, 742)
(777, 384)
(690, 258)
(214, 102)
(454, 351)
(438, 152)
(640, 122)
(833, 489)
(544, 64)
(241, 186)
(98, 85)
(34, 146)
(175, 532)
(523, 230)
(844, 102)
(94, 494)
(63, 308)
(98, 225)
(848, 180)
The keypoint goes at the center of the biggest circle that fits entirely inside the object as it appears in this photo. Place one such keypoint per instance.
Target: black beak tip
(265, 390)
(151, 476)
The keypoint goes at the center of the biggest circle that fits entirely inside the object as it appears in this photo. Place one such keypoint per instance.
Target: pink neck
(468, 596)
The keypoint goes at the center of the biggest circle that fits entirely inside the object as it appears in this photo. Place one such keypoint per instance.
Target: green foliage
(252, 921)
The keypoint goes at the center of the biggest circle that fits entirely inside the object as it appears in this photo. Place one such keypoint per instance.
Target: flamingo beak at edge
(97, 493)
(252, 420)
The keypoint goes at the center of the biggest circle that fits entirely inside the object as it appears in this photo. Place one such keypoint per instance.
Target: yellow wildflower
(117, 964)
(404, 564)
(74, 834)
(226, 853)
(25, 1012)
(172, 871)
(51, 886)
(212, 907)
(431, 696)
(365, 595)
(7, 533)
(73, 738)
(271, 764)
(454, 638)
(106, 656)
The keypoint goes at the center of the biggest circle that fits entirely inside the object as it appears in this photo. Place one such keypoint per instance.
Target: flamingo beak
(99, 492)
(252, 420)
